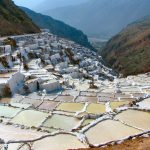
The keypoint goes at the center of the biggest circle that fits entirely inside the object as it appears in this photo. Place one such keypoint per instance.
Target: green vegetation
(58, 28)
(14, 21)
(129, 51)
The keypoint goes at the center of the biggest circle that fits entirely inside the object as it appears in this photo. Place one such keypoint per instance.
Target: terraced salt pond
(20, 146)
(61, 122)
(109, 130)
(24, 106)
(58, 117)
(95, 108)
(58, 142)
(71, 107)
(30, 118)
(145, 104)
(8, 112)
(87, 121)
(70, 92)
(135, 118)
(90, 99)
(88, 94)
(35, 103)
(11, 133)
(117, 104)
(65, 98)
(48, 105)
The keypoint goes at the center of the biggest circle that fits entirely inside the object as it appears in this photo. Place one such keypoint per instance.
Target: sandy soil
(137, 144)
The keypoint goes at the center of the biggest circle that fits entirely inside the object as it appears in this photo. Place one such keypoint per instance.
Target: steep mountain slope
(129, 51)
(57, 27)
(14, 21)
(102, 18)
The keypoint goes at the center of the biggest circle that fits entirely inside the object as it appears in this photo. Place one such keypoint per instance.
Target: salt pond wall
(16, 81)
(50, 86)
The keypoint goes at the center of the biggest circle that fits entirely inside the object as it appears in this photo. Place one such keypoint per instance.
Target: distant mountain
(52, 4)
(129, 51)
(103, 18)
(58, 28)
(14, 21)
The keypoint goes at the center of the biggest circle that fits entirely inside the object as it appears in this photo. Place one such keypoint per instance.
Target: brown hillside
(129, 51)
(13, 20)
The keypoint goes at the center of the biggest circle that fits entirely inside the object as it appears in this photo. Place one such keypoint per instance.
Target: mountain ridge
(102, 18)
(58, 27)
(128, 52)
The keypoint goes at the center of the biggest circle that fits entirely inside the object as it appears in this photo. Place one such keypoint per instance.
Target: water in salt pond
(64, 98)
(8, 112)
(58, 142)
(94, 108)
(61, 121)
(135, 118)
(115, 105)
(109, 130)
(30, 118)
(71, 107)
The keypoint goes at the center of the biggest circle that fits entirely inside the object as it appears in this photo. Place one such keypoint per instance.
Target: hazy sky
(47, 4)
(28, 3)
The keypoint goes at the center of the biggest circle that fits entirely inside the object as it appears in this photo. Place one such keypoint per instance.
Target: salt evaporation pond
(8, 112)
(109, 130)
(30, 118)
(116, 104)
(61, 122)
(87, 121)
(94, 108)
(64, 98)
(49, 129)
(24, 106)
(64, 113)
(88, 94)
(48, 105)
(145, 104)
(70, 92)
(58, 142)
(11, 133)
(135, 118)
(87, 99)
(20, 146)
(34, 96)
(71, 107)
(33, 102)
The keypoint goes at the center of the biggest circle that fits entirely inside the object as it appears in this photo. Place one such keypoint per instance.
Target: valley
(79, 87)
